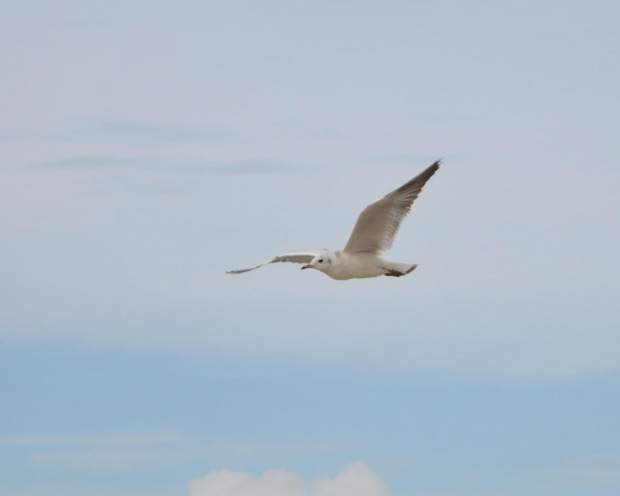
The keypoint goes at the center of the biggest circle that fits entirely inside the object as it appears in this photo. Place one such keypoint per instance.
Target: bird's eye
(321, 261)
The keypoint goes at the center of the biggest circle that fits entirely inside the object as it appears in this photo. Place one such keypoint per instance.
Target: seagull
(374, 232)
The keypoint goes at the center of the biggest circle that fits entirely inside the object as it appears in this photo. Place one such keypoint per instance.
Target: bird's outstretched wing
(295, 257)
(377, 225)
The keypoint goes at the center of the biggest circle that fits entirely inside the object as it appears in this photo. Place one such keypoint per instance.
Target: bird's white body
(361, 265)
(373, 233)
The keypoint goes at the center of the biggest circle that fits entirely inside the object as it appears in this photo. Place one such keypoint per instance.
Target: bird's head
(321, 262)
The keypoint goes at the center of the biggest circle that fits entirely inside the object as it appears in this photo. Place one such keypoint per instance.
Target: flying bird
(374, 232)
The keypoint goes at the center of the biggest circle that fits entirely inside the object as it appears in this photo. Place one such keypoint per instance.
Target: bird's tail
(398, 269)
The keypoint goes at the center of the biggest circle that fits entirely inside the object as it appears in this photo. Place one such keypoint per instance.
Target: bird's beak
(307, 266)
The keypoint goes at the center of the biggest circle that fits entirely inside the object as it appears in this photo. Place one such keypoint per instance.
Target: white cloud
(227, 483)
(356, 480)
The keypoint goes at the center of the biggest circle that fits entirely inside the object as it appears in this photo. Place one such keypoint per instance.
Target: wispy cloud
(406, 159)
(137, 451)
(100, 162)
(103, 163)
(419, 159)
(247, 167)
(108, 439)
(110, 132)
(596, 470)
(111, 452)
(147, 132)
(107, 460)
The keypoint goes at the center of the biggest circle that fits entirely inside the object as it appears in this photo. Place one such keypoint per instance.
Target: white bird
(374, 232)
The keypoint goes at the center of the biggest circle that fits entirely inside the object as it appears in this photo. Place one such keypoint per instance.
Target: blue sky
(148, 147)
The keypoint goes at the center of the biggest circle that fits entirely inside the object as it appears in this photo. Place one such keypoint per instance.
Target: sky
(148, 147)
